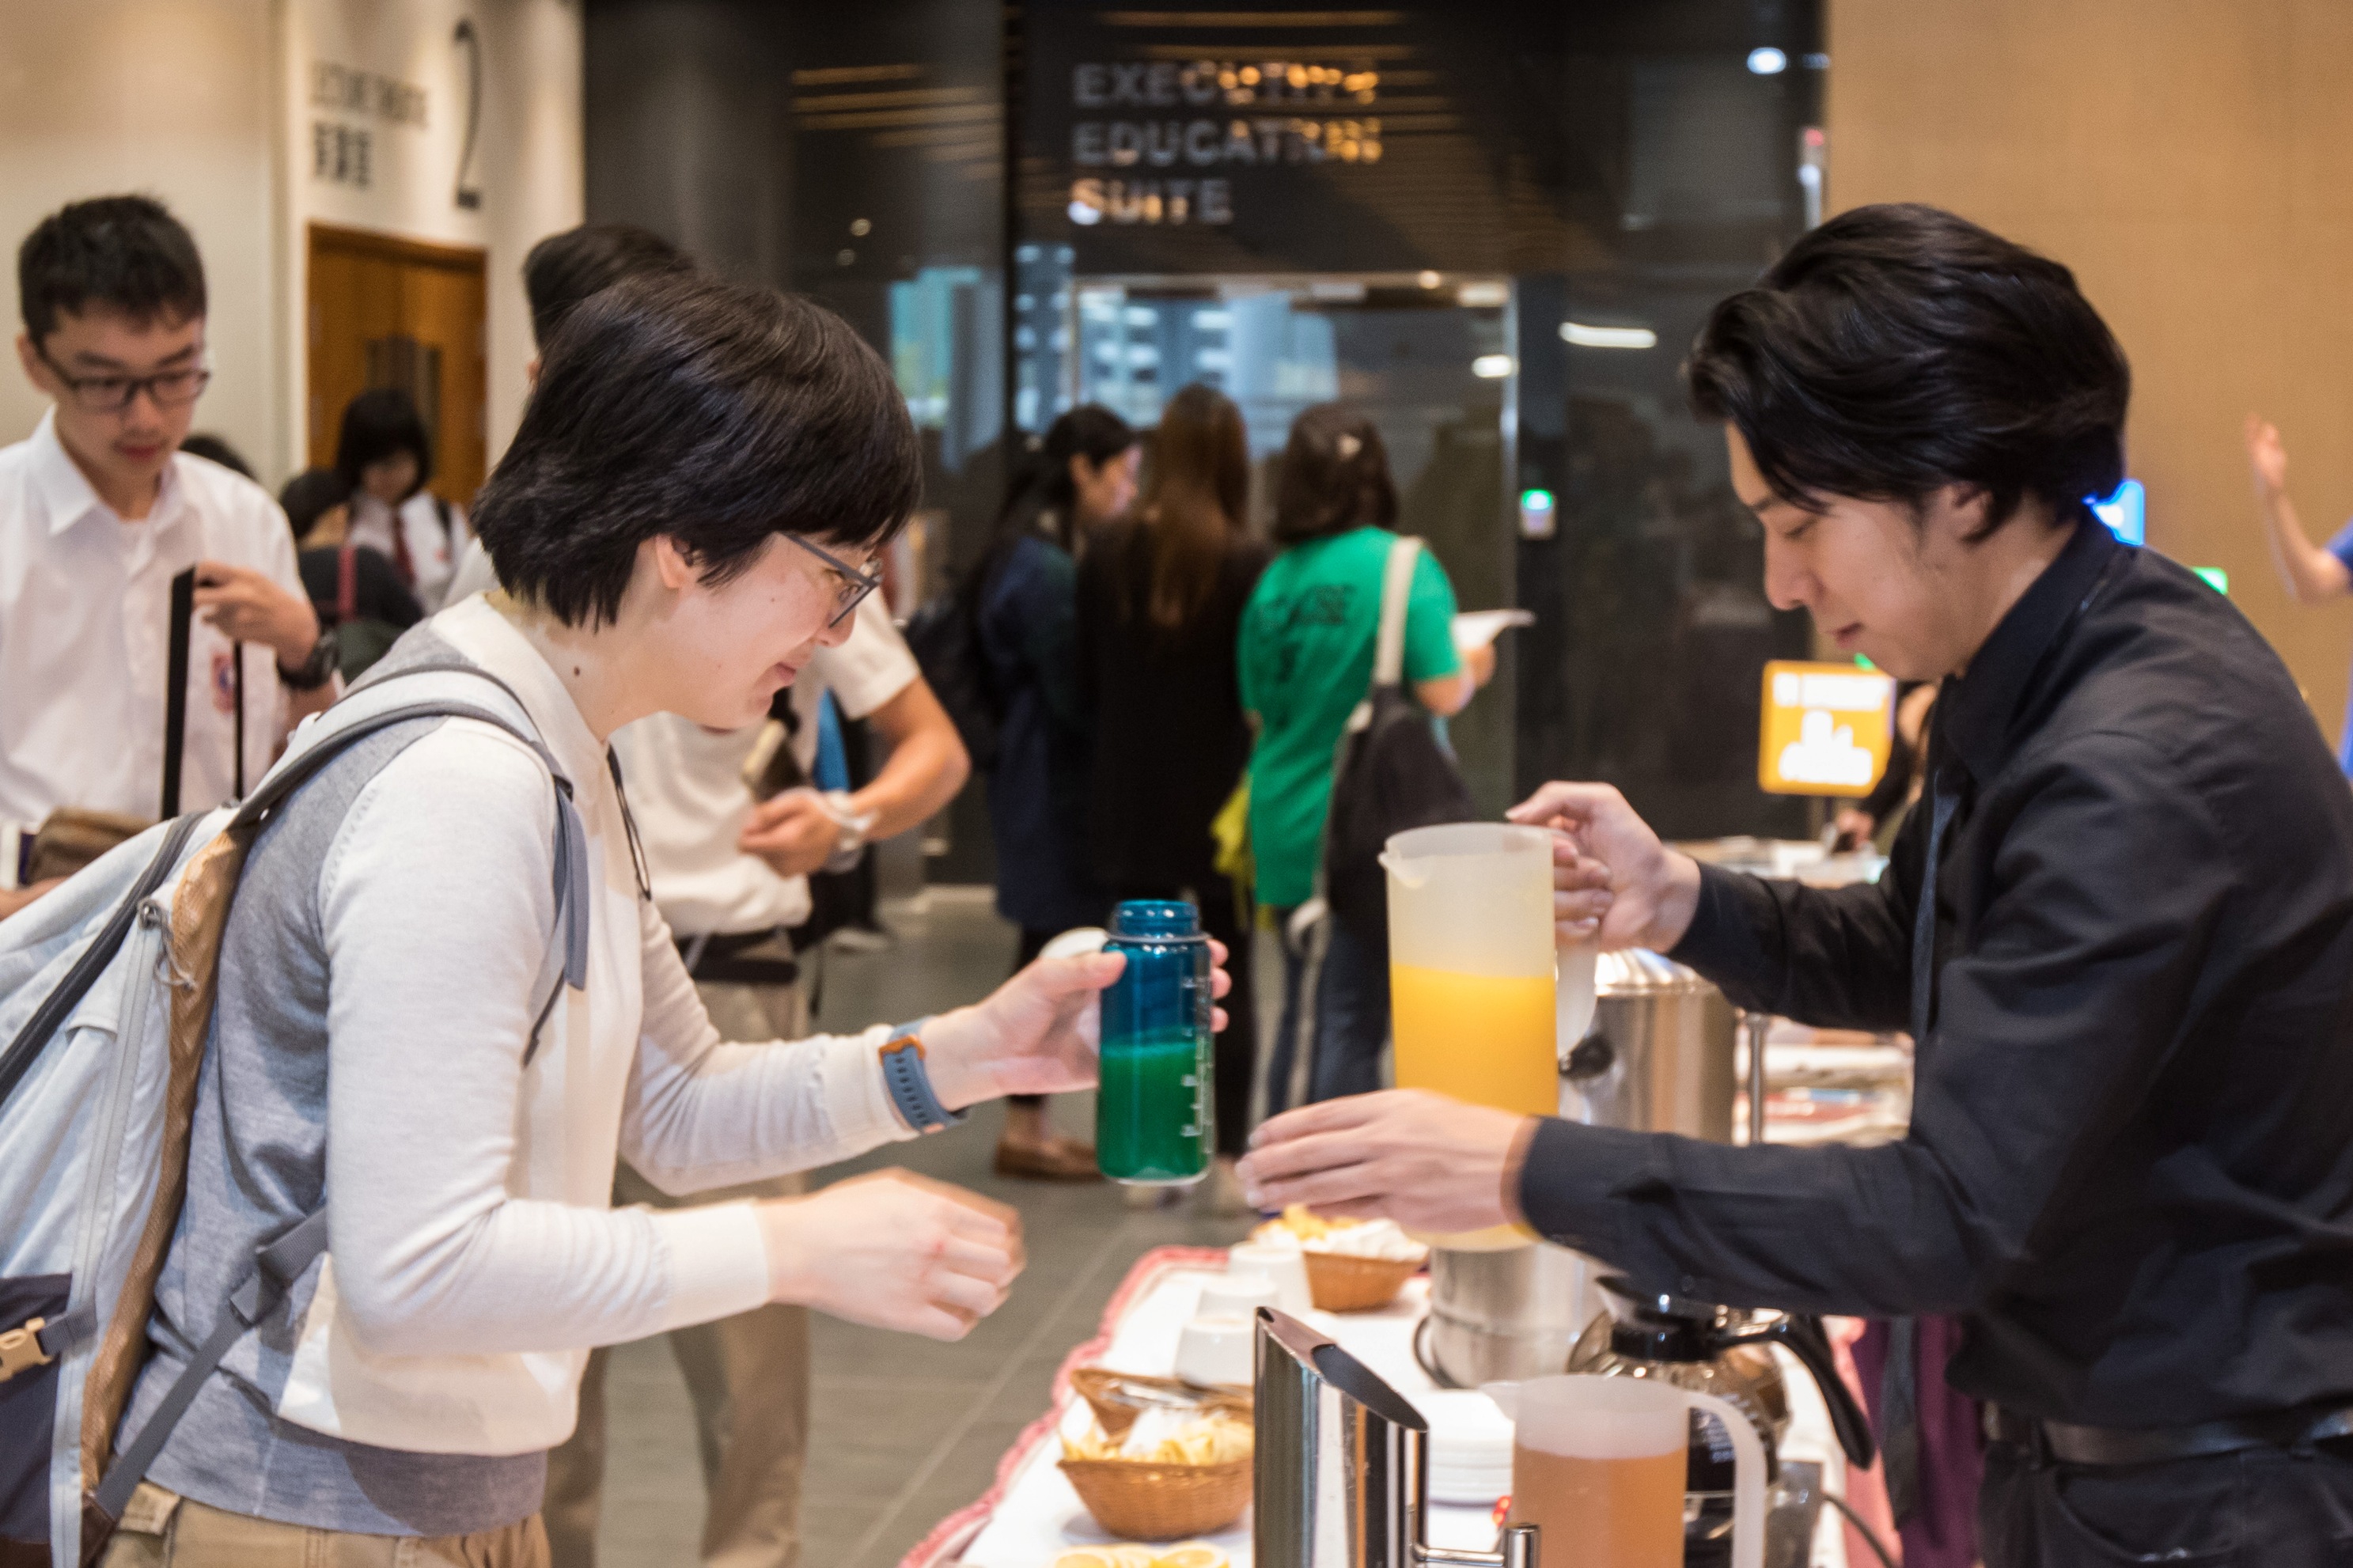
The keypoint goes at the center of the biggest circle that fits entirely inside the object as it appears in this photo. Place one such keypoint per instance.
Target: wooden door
(399, 312)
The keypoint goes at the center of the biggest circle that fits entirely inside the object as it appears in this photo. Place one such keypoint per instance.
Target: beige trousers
(162, 1530)
(748, 1377)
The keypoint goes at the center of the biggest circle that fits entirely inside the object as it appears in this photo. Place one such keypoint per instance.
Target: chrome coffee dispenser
(1343, 1461)
(1657, 1057)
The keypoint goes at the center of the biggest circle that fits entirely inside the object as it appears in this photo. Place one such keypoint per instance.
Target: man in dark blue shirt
(2119, 926)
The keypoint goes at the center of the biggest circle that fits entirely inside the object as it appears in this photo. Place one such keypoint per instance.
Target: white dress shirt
(434, 551)
(687, 790)
(85, 633)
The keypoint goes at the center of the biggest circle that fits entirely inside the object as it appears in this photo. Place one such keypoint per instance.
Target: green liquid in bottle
(1151, 1112)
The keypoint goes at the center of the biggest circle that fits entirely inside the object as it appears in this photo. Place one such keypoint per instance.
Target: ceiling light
(1581, 336)
(1492, 367)
(1767, 61)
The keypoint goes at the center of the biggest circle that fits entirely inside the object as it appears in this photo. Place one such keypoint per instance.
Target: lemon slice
(1193, 1554)
(1127, 1554)
(1086, 1557)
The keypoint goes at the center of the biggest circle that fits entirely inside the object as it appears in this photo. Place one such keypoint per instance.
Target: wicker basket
(1161, 1502)
(1342, 1283)
(1116, 1410)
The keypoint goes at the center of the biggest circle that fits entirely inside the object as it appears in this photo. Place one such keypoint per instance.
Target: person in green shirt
(1306, 658)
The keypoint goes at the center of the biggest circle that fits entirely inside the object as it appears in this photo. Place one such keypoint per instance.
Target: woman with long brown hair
(1160, 605)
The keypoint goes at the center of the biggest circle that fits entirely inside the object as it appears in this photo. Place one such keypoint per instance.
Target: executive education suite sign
(1155, 141)
(1237, 139)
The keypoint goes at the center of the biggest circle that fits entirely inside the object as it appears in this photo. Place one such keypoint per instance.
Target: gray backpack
(106, 994)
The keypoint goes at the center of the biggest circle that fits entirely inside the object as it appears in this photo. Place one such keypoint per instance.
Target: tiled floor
(904, 1430)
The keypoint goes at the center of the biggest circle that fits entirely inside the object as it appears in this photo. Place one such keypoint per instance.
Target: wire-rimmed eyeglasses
(854, 584)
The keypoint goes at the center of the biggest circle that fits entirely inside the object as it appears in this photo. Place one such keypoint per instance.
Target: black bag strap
(237, 679)
(175, 690)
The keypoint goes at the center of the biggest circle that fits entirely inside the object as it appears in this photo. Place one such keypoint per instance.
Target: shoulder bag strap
(347, 584)
(175, 690)
(1397, 589)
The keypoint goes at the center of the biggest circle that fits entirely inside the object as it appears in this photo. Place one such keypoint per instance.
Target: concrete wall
(210, 105)
(173, 98)
(2187, 158)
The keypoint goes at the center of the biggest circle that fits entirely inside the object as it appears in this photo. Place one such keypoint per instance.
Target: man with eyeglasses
(100, 511)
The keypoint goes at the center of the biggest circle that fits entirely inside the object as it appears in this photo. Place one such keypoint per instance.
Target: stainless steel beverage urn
(1342, 1464)
(1659, 1057)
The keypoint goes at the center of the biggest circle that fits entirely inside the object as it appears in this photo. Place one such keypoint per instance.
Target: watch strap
(909, 1083)
(317, 670)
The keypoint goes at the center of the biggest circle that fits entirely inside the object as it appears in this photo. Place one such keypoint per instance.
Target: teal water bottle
(1154, 1111)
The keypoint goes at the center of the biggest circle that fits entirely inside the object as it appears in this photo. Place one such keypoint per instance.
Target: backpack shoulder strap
(1396, 590)
(570, 873)
(275, 1268)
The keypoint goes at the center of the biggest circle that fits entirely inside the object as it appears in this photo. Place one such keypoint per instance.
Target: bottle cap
(1155, 917)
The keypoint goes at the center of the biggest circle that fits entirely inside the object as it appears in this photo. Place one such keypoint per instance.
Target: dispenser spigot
(1517, 1550)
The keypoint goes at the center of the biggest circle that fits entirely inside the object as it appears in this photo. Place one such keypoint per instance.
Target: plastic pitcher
(1473, 1005)
(1603, 1461)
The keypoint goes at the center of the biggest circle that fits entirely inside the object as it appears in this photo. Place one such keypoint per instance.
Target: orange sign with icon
(1827, 729)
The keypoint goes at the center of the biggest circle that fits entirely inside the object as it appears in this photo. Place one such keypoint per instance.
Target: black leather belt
(2074, 1445)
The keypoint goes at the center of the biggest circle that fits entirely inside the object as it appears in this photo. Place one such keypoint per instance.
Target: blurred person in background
(100, 510)
(1026, 589)
(357, 592)
(2311, 573)
(1873, 822)
(386, 459)
(1306, 660)
(561, 272)
(216, 450)
(1160, 601)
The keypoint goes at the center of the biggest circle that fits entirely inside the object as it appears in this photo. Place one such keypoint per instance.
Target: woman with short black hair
(383, 454)
(693, 504)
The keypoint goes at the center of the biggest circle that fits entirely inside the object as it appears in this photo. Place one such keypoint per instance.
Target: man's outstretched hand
(1406, 1154)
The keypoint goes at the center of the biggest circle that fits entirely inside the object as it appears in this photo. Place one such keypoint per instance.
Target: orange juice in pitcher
(1473, 1008)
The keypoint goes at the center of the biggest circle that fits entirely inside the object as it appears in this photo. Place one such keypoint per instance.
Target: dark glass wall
(953, 173)
(1622, 165)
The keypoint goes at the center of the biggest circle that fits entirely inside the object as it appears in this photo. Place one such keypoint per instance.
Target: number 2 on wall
(469, 194)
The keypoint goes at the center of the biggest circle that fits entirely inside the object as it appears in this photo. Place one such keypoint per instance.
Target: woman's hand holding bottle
(1035, 1034)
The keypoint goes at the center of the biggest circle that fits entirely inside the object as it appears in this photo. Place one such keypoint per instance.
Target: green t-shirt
(1306, 658)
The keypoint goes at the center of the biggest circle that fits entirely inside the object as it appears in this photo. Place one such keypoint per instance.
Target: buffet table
(1031, 1515)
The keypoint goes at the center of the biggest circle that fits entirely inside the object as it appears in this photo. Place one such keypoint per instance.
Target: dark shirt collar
(1976, 712)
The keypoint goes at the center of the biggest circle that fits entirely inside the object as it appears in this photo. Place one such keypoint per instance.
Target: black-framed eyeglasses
(854, 584)
(113, 393)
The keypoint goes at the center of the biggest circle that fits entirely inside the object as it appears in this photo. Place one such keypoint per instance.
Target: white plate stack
(1470, 1448)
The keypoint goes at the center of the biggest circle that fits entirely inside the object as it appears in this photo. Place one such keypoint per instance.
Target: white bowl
(1283, 1266)
(1217, 1350)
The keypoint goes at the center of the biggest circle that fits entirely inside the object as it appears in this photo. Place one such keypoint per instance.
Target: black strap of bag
(176, 692)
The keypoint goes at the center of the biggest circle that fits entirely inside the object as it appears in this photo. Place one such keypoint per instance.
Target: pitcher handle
(1749, 1486)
